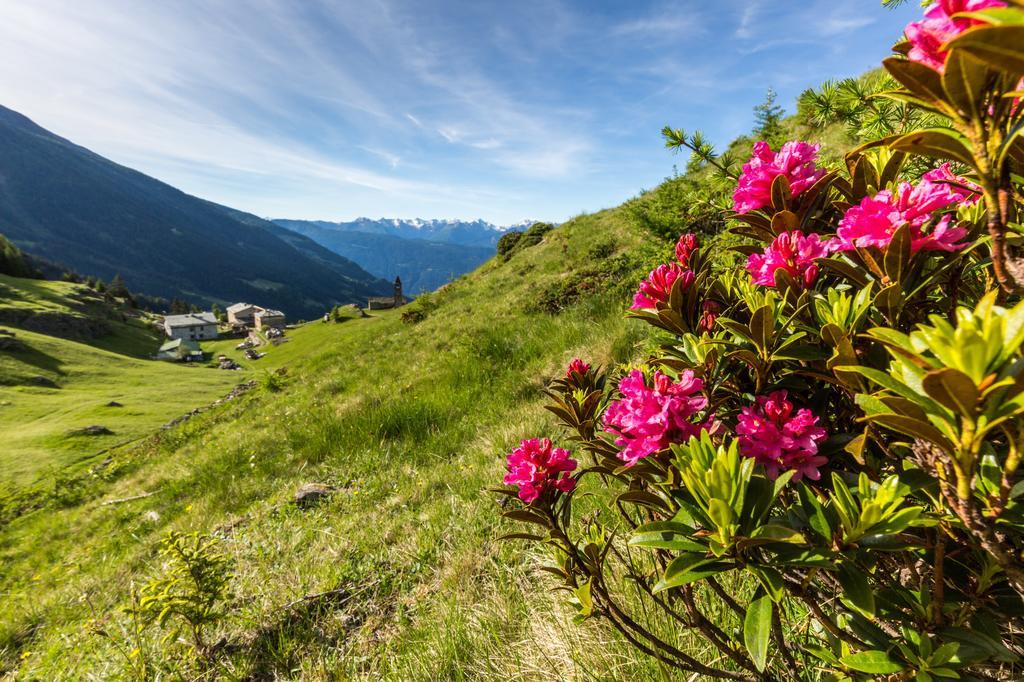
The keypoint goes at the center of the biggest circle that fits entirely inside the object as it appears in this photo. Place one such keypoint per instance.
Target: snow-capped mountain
(449, 231)
(424, 253)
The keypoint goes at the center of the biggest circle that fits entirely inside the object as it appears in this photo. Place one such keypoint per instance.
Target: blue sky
(497, 110)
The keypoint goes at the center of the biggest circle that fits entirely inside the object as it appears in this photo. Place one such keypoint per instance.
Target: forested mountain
(67, 204)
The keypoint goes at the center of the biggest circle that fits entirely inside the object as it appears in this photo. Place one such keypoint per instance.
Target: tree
(768, 118)
(12, 261)
(218, 312)
(117, 288)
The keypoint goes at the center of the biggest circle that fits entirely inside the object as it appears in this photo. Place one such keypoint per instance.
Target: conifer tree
(768, 118)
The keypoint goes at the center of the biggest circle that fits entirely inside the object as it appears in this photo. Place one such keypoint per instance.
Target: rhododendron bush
(817, 473)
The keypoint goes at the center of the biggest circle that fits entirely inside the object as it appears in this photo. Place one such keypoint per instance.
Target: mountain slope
(423, 265)
(67, 204)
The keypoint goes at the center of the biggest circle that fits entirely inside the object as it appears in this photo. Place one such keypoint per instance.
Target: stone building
(386, 302)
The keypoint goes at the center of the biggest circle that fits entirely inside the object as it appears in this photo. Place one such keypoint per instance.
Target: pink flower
(939, 27)
(646, 420)
(709, 313)
(685, 247)
(795, 160)
(658, 285)
(874, 221)
(536, 467)
(577, 366)
(792, 252)
(774, 436)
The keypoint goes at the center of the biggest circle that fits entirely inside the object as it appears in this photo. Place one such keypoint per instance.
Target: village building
(194, 326)
(254, 316)
(269, 319)
(242, 314)
(177, 350)
(386, 302)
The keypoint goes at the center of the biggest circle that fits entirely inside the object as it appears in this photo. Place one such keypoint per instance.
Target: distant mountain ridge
(449, 231)
(426, 254)
(423, 265)
(67, 204)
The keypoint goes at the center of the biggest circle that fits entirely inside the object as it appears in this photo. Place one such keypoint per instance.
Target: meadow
(409, 422)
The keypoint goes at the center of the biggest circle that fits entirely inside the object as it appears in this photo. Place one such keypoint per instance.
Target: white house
(242, 313)
(194, 326)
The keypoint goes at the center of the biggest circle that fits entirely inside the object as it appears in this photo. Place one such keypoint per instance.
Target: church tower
(399, 298)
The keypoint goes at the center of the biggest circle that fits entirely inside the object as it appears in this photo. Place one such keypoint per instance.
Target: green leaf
(897, 255)
(873, 662)
(774, 532)
(770, 579)
(762, 326)
(527, 516)
(965, 81)
(914, 428)
(781, 193)
(941, 143)
(920, 80)
(857, 589)
(885, 380)
(586, 600)
(678, 576)
(953, 389)
(670, 535)
(815, 513)
(757, 628)
(1001, 47)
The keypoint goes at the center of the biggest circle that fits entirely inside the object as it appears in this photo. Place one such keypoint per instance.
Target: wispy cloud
(332, 108)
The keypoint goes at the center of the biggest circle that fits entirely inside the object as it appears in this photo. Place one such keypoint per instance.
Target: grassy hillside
(410, 423)
(52, 388)
(42, 426)
(75, 312)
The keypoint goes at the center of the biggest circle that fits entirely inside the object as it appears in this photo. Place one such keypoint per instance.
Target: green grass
(410, 423)
(38, 423)
(35, 422)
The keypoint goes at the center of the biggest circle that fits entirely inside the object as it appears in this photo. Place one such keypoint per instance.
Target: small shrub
(602, 250)
(413, 315)
(69, 489)
(512, 243)
(420, 309)
(272, 382)
(507, 243)
(190, 596)
(609, 276)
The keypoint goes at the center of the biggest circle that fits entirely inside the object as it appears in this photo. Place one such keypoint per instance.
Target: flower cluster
(795, 160)
(774, 436)
(939, 26)
(535, 466)
(685, 248)
(875, 220)
(792, 252)
(648, 419)
(578, 367)
(709, 311)
(658, 285)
